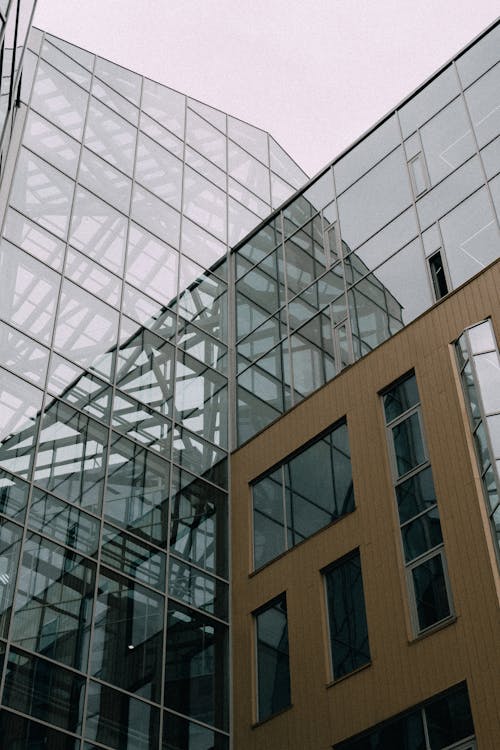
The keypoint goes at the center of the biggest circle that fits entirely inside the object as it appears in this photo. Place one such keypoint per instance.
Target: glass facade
(114, 404)
(353, 257)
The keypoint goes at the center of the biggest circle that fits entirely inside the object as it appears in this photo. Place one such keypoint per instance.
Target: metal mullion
(399, 480)
(192, 720)
(204, 571)
(418, 515)
(37, 720)
(285, 517)
(198, 610)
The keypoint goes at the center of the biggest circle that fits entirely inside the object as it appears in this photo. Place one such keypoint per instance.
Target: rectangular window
(346, 615)
(273, 673)
(302, 495)
(438, 275)
(418, 175)
(421, 536)
(440, 722)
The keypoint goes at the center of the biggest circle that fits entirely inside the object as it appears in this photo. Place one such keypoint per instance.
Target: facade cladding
(137, 351)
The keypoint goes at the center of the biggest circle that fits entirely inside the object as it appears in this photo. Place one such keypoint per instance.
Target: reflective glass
(284, 166)
(203, 347)
(19, 733)
(10, 547)
(428, 101)
(59, 99)
(196, 666)
(261, 243)
(273, 673)
(159, 171)
(51, 143)
(165, 105)
(81, 56)
(128, 634)
(240, 221)
(408, 444)
(280, 191)
(155, 215)
(206, 139)
(141, 424)
(104, 180)
(163, 136)
(137, 490)
(195, 454)
(249, 200)
(437, 202)
(415, 495)
(215, 116)
(122, 80)
(400, 398)
(488, 376)
(200, 399)
(151, 265)
(411, 291)
(70, 460)
(431, 596)
(65, 523)
(22, 354)
(269, 538)
(382, 193)
(204, 301)
(483, 101)
(198, 530)
(40, 689)
(86, 392)
(347, 616)
(251, 138)
(115, 101)
(35, 240)
(482, 55)
(390, 239)
(491, 158)
(181, 734)
(60, 59)
(13, 496)
(197, 589)
(53, 605)
(20, 404)
(253, 413)
(249, 172)
(447, 140)
(110, 136)
(98, 230)
(118, 721)
(94, 278)
(366, 153)
(312, 355)
(449, 718)
(204, 203)
(133, 557)
(421, 534)
(42, 193)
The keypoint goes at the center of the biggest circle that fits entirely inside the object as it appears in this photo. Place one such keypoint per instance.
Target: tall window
(346, 615)
(302, 495)
(479, 364)
(421, 535)
(273, 674)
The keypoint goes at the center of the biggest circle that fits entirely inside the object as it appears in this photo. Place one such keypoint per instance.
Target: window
(346, 615)
(296, 499)
(436, 724)
(421, 536)
(438, 275)
(418, 175)
(479, 365)
(273, 674)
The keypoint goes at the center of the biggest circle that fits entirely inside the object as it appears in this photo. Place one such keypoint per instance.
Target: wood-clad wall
(404, 670)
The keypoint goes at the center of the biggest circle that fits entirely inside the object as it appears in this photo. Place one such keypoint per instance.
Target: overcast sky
(314, 73)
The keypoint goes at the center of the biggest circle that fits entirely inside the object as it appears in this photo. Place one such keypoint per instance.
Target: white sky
(314, 73)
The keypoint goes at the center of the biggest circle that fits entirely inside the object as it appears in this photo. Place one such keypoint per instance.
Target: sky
(315, 73)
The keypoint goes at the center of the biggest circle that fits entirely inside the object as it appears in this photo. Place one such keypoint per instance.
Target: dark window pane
(13, 496)
(10, 545)
(268, 519)
(44, 691)
(422, 534)
(196, 666)
(63, 522)
(119, 721)
(449, 719)
(181, 734)
(133, 557)
(18, 733)
(415, 495)
(272, 658)
(400, 398)
(431, 596)
(347, 616)
(408, 444)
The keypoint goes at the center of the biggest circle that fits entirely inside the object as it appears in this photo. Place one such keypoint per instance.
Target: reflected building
(205, 373)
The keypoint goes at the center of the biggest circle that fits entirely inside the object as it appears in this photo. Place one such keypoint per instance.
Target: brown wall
(404, 670)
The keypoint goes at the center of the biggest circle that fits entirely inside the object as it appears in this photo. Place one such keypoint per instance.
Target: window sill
(273, 716)
(451, 620)
(336, 681)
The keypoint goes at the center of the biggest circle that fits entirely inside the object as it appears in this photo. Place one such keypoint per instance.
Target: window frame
(279, 599)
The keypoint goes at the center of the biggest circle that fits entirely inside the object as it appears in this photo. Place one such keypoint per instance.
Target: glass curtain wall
(408, 214)
(114, 404)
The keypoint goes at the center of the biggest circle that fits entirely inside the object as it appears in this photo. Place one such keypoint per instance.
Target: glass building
(167, 294)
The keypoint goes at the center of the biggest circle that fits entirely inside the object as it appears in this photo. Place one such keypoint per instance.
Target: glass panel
(98, 230)
(198, 455)
(180, 734)
(133, 557)
(401, 398)
(415, 495)
(479, 57)
(159, 171)
(128, 635)
(488, 375)
(36, 687)
(269, 539)
(13, 497)
(141, 424)
(201, 246)
(204, 203)
(81, 56)
(42, 193)
(447, 140)
(94, 278)
(483, 101)
(197, 589)
(104, 180)
(137, 490)
(18, 732)
(165, 105)
(383, 193)
(122, 80)
(20, 404)
(155, 215)
(110, 136)
(206, 139)
(119, 721)
(445, 196)
(215, 116)
(249, 172)
(431, 596)
(51, 143)
(70, 460)
(252, 139)
(62, 61)
(198, 531)
(34, 239)
(311, 352)
(10, 547)
(422, 534)
(408, 444)
(59, 99)
(366, 153)
(390, 239)
(115, 101)
(196, 666)
(272, 659)
(428, 101)
(151, 265)
(53, 604)
(64, 523)
(347, 616)
(449, 719)
(482, 338)
(23, 355)
(161, 135)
